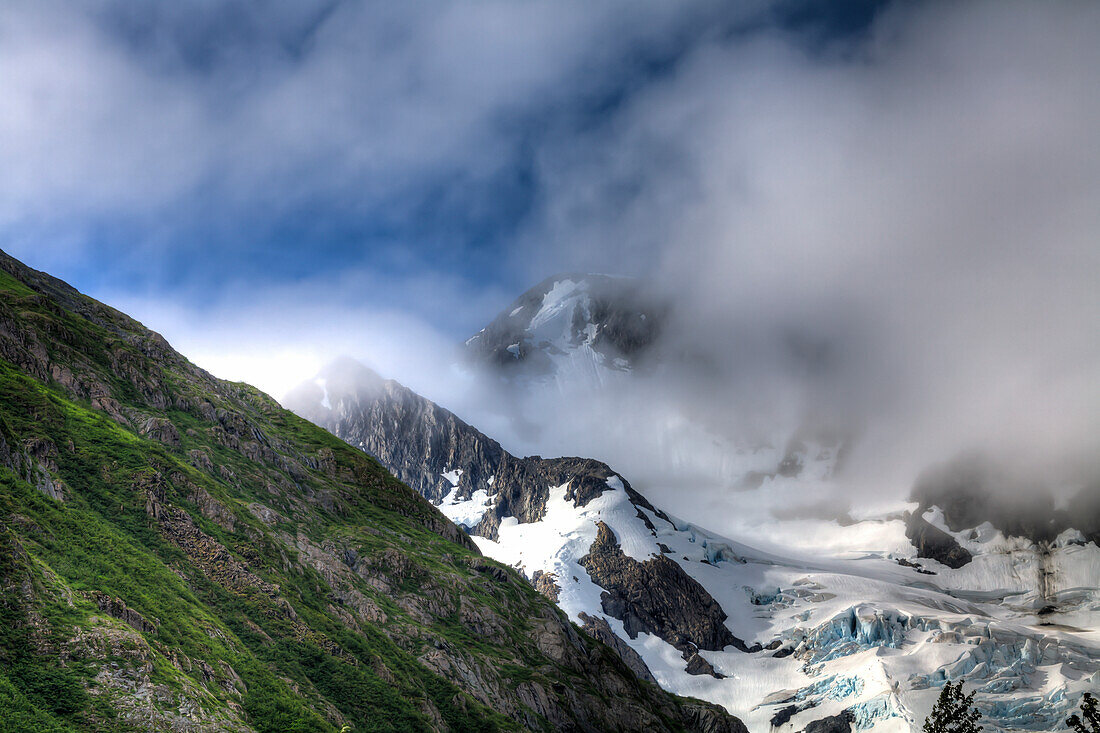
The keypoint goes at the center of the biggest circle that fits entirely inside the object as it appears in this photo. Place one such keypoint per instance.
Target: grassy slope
(271, 577)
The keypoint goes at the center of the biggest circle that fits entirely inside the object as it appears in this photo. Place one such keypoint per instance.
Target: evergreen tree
(1091, 715)
(954, 712)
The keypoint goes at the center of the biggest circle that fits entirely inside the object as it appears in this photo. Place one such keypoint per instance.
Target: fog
(891, 234)
(898, 237)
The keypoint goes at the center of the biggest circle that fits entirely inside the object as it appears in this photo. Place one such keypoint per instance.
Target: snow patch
(861, 632)
(466, 512)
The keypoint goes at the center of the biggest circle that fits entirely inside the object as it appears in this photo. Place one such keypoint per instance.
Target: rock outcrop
(616, 317)
(657, 597)
(840, 723)
(934, 543)
(430, 449)
(598, 628)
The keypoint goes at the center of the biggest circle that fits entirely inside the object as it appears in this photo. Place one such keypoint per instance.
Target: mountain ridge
(826, 638)
(181, 553)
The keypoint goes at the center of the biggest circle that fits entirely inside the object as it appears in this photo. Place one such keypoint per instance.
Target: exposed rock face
(658, 597)
(35, 464)
(697, 665)
(413, 437)
(423, 444)
(115, 607)
(934, 543)
(841, 723)
(783, 715)
(546, 584)
(160, 429)
(705, 720)
(598, 628)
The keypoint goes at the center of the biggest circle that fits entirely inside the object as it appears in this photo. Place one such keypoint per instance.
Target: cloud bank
(892, 227)
(917, 209)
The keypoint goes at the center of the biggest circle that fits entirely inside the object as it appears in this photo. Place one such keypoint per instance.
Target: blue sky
(209, 144)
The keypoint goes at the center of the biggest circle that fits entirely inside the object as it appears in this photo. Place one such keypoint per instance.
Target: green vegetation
(9, 284)
(1089, 719)
(102, 540)
(171, 542)
(953, 712)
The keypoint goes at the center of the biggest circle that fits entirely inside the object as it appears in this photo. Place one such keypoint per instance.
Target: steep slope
(780, 640)
(180, 553)
(433, 451)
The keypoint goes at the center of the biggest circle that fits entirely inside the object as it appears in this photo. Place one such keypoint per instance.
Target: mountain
(570, 328)
(181, 553)
(578, 348)
(973, 489)
(864, 637)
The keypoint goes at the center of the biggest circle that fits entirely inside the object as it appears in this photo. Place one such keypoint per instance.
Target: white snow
(554, 303)
(872, 636)
(590, 331)
(466, 511)
(452, 476)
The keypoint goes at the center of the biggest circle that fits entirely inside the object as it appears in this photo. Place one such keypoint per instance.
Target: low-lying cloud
(916, 209)
(894, 231)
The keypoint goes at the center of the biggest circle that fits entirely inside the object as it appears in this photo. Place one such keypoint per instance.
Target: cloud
(280, 335)
(914, 203)
(169, 154)
(229, 117)
(921, 201)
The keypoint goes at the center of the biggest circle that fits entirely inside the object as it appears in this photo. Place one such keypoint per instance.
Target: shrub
(953, 712)
(1089, 719)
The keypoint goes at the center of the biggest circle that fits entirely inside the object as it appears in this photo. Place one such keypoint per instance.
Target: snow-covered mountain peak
(572, 326)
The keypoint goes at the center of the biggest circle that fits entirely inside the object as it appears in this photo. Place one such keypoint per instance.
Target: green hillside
(180, 553)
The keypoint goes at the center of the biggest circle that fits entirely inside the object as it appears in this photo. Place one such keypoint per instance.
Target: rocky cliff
(449, 461)
(432, 450)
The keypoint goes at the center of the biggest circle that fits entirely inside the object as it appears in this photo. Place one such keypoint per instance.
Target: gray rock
(657, 596)
(616, 316)
(419, 441)
(598, 628)
(841, 723)
(934, 543)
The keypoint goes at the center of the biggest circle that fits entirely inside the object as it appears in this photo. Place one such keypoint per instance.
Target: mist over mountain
(759, 338)
(829, 622)
(723, 407)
